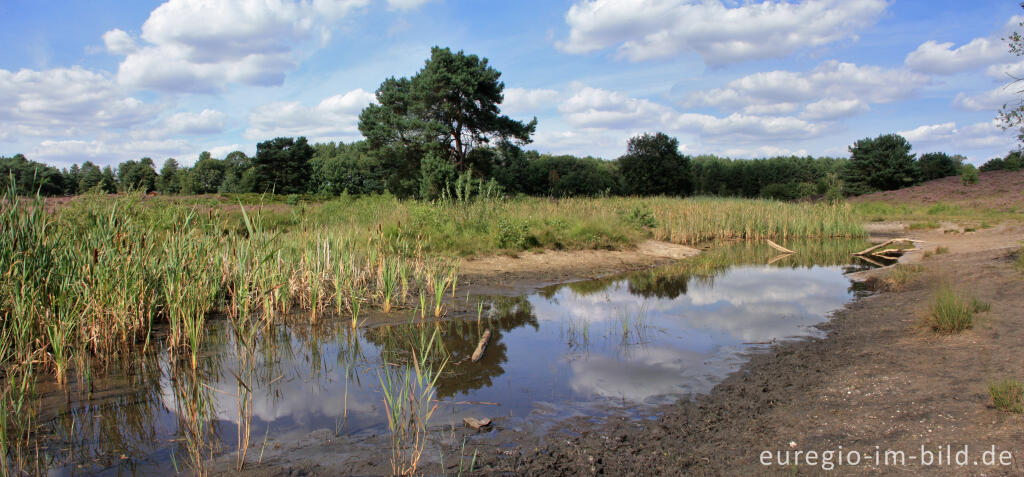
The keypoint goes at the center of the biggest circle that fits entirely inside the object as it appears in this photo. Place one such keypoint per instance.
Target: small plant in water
(1007, 395)
(409, 404)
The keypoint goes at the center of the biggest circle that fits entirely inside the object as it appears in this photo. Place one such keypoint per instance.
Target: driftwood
(780, 257)
(479, 353)
(869, 250)
(779, 247)
(866, 259)
(476, 423)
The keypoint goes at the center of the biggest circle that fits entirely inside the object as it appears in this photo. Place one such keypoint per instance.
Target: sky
(109, 81)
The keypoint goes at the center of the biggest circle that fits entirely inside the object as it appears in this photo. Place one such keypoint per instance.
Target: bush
(950, 312)
(640, 217)
(514, 235)
(1007, 395)
(969, 175)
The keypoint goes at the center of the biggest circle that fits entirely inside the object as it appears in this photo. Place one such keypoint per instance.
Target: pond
(619, 344)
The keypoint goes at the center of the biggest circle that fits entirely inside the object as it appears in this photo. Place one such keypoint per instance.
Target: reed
(409, 405)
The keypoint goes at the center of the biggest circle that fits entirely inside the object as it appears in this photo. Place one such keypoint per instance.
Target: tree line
(443, 125)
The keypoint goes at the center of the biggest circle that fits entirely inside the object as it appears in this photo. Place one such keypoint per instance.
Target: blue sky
(110, 81)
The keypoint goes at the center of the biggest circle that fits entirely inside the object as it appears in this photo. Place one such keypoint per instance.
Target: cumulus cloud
(334, 118)
(941, 58)
(206, 122)
(118, 42)
(944, 59)
(981, 135)
(598, 108)
(834, 108)
(67, 102)
(520, 100)
(107, 151)
(988, 101)
(644, 29)
(832, 80)
(197, 45)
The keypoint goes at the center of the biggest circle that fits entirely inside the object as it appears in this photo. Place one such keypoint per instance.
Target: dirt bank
(879, 378)
(508, 275)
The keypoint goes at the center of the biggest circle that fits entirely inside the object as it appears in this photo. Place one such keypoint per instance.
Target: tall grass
(409, 392)
(951, 313)
(1007, 395)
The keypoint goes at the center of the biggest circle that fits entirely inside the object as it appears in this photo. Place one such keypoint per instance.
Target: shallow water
(586, 348)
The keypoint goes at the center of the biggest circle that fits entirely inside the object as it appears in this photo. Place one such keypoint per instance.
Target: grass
(931, 224)
(899, 276)
(1007, 395)
(409, 404)
(952, 313)
(928, 216)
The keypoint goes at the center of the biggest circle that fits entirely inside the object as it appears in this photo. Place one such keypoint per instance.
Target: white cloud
(834, 108)
(742, 127)
(222, 151)
(334, 118)
(1006, 72)
(774, 108)
(832, 80)
(950, 136)
(198, 45)
(520, 100)
(598, 108)
(988, 101)
(647, 29)
(118, 42)
(581, 141)
(943, 59)
(206, 122)
(66, 102)
(100, 151)
(763, 151)
(405, 4)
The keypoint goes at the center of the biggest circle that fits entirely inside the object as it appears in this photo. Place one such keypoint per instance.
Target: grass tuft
(950, 312)
(899, 276)
(1007, 395)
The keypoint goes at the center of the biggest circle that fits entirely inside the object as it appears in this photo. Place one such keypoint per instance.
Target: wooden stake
(479, 353)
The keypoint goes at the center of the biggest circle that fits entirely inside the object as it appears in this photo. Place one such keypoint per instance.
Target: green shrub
(514, 235)
(1007, 395)
(950, 312)
(969, 175)
(640, 217)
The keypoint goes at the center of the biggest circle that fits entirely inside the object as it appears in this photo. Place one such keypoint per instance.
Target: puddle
(590, 348)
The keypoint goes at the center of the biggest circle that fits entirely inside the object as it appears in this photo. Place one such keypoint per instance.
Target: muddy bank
(508, 275)
(879, 378)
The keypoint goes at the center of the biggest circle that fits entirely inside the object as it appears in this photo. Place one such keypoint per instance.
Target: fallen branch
(866, 259)
(479, 353)
(779, 247)
(872, 248)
